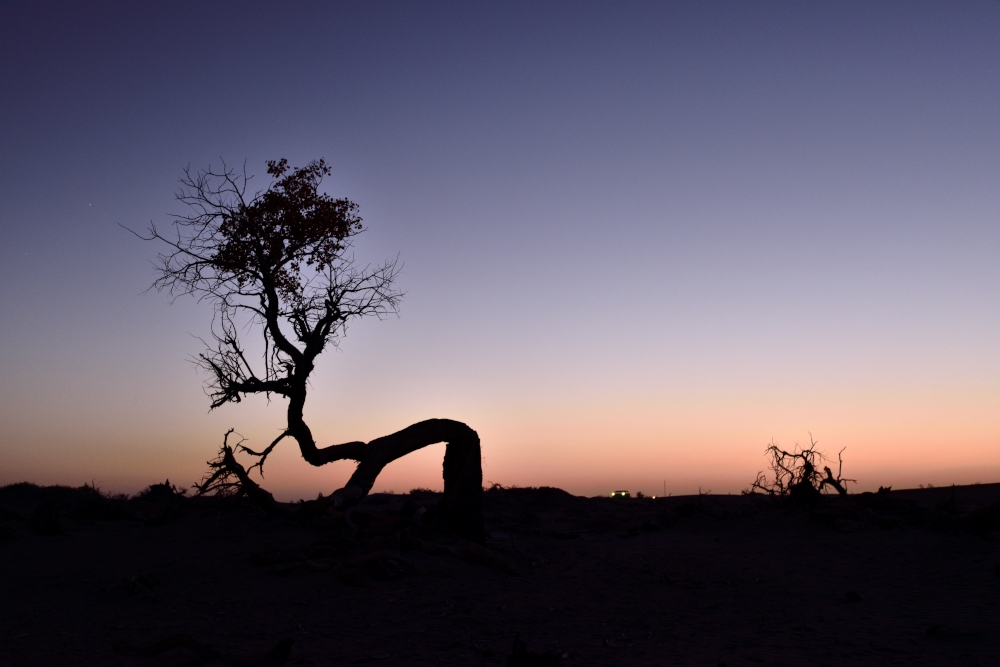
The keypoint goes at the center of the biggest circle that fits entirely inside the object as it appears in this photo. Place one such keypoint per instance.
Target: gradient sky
(639, 241)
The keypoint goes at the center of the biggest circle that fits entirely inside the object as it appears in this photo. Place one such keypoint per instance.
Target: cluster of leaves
(800, 472)
(231, 240)
(277, 261)
(290, 226)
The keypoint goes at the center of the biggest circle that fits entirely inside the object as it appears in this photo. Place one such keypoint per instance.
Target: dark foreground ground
(905, 578)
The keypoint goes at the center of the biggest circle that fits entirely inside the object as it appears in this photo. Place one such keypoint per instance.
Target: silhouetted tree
(797, 474)
(280, 260)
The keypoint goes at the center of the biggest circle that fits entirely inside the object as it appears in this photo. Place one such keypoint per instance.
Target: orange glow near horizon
(587, 448)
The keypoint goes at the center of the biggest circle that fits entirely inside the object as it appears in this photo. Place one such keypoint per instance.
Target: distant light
(621, 494)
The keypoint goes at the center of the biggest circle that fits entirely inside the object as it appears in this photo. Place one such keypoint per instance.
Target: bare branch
(263, 454)
(277, 260)
(799, 469)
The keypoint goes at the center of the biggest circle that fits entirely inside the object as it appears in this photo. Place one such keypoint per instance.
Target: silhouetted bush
(797, 475)
(982, 521)
(161, 503)
(90, 504)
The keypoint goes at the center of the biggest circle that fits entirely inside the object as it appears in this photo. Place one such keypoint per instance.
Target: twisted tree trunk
(461, 508)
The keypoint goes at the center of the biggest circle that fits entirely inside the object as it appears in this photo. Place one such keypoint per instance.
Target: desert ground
(898, 578)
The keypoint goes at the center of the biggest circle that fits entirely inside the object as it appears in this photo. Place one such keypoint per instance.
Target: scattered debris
(276, 657)
(948, 633)
(140, 584)
(520, 656)
(378, 557)
(185, 642)
(381, 565)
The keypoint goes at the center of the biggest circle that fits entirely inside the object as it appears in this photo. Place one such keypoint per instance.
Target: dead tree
(797, 474)
(280, 261)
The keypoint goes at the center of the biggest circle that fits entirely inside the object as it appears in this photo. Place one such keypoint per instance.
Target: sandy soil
(907, 578)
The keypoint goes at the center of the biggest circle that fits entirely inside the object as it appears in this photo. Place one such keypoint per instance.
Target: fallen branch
(226, 477)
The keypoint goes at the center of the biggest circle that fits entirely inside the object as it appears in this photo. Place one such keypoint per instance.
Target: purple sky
(639, 242)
